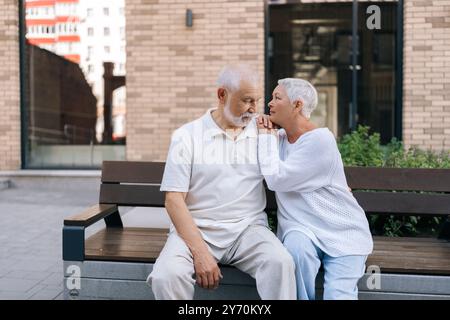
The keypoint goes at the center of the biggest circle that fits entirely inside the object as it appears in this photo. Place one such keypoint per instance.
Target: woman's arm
(306, 169)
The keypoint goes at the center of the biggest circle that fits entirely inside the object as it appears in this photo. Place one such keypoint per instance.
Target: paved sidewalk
(31, 219)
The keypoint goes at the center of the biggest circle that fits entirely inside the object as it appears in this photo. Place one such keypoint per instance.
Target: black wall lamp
(189, 18)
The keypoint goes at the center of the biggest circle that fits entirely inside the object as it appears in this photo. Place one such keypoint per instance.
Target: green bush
(361, 148)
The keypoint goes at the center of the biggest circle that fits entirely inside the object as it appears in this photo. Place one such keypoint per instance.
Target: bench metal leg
(445, 230)
(73, 243)
(114, 220)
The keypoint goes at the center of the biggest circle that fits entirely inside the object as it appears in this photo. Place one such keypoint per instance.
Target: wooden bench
(115, 261)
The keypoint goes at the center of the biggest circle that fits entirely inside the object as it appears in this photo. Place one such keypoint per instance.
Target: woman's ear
(298, 105)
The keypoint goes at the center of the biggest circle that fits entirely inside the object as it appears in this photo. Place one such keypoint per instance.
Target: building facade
(172, 67)
(53, 25)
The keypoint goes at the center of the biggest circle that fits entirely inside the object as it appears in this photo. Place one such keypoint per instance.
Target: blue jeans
(341, 273)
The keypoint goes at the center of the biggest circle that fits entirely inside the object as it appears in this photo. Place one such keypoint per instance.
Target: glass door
(314, 41)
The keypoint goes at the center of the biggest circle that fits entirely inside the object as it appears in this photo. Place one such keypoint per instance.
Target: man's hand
(265, 125)
(207, 271)
(206, 268)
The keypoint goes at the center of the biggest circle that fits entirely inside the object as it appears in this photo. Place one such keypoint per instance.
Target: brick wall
(426, 108)
(9, 84)
(172, 69)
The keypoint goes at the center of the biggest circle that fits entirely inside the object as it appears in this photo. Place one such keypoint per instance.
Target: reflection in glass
(76, 118)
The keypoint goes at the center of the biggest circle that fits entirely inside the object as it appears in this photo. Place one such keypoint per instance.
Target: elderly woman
(319, 220)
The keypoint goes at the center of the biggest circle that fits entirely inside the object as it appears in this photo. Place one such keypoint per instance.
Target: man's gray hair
(231, 76)
(299, 89)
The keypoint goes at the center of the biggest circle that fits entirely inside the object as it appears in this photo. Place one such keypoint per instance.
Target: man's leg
(259, 253)
(172, 275)
(307, 263)
(341, 277)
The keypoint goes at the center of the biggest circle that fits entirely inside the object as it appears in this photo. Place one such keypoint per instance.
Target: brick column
(426, 112)
(10, 86)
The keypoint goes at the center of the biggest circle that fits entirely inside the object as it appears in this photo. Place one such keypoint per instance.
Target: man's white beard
(240, 121)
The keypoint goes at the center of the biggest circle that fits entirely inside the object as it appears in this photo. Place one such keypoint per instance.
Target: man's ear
(222, 95)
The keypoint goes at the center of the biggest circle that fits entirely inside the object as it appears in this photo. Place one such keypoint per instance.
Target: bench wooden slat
(122, 256)
(416, 265)
(132, 172)
(132, 195)
(408, 179)
(392, 203)
(428, 248)
(91, 215)
(399, 240)
(435, 180)
(404, 203)
(131, 244)
(416, 242)
(434, 253)
(108, 244)
(141, 231)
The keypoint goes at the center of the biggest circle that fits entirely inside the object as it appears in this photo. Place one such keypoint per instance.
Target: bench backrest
(127, 183)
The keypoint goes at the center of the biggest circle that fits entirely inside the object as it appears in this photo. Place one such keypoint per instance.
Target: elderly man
(215, 199)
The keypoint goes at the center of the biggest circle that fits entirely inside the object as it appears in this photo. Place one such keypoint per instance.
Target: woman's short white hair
(299, 89)
(231, 76)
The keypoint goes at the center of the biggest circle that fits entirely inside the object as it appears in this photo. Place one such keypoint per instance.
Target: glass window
(71, 121)
(314, 41)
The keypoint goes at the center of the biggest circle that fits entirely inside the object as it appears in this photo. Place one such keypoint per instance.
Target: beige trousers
(257, 251)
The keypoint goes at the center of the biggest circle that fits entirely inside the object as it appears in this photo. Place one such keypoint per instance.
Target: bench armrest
(91, 215)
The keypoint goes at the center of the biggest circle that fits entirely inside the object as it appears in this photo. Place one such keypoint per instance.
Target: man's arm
(206, 269)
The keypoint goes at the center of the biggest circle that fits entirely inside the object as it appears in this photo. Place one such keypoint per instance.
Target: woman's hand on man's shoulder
(265, 126)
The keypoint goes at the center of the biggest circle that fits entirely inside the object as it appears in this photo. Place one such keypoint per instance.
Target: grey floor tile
(53, 279)
(46, 294)
(19, 285)
(12, 295)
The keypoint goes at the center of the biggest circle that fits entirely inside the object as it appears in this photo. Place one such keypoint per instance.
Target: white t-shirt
(312, 193)
(224, 185)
